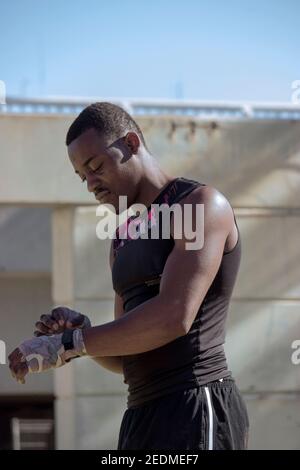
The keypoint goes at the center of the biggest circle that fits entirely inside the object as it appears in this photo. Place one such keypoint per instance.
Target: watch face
(67, 339)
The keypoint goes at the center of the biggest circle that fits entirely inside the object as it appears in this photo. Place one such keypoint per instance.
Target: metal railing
(32, 434)
(154, 107)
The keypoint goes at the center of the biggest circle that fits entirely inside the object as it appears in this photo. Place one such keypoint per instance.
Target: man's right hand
(59, 319)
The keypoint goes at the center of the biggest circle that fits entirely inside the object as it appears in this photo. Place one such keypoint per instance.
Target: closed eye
(90, 170)
(93, 170)
(96, 169)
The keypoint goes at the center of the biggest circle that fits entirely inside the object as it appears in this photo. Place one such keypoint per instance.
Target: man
(171, 302)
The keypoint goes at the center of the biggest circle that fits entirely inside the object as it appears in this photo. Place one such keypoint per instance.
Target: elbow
(179, 327)
(175, 320)
(182, 324)
(184, 327)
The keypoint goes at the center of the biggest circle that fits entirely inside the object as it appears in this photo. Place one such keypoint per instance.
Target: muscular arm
(185, 281)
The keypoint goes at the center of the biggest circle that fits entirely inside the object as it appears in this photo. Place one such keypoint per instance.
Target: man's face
(109, 168)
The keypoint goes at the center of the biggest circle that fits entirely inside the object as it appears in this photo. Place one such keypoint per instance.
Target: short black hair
(107, 118)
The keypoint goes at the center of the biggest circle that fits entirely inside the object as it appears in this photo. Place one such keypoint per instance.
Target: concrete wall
(25, 287)
(25, 240)
(22, 301)
(256, 165)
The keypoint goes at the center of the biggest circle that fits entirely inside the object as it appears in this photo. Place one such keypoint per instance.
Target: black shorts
(207, 417)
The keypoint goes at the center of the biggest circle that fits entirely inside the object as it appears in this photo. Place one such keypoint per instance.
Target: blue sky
(221, 50)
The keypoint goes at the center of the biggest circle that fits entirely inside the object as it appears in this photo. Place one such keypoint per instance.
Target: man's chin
(112, 206)
(112, 202)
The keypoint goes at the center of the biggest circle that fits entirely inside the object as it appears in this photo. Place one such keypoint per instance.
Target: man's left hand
(43, 353)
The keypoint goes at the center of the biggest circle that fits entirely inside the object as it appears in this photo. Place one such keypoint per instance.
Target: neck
(153, 181)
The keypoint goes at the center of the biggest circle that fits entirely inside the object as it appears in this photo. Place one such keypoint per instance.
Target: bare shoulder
(217, 208)
(207, 194)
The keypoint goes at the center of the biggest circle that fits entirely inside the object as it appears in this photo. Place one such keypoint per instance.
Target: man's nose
(92, 183)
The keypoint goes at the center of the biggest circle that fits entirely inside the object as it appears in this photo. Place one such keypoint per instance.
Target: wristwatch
(68, 343)
(73, 343)
(67, 339)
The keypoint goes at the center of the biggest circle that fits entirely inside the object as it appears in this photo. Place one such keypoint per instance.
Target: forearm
(112, 363)
(148, 326)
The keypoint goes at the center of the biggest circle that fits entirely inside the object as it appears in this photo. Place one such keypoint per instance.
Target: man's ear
(132, 141)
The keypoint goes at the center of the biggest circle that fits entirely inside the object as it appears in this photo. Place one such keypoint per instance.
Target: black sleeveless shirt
(193, 359)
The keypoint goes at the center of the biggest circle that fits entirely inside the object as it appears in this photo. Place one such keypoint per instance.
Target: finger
(15, 358)
(38, 333)
(14, 368)
(17, 366)
(12, 371)
(48, 321)
(58, 314)
(76, 321)
(21, 371)
(44, 330)
(15, 355)
(13, 374)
